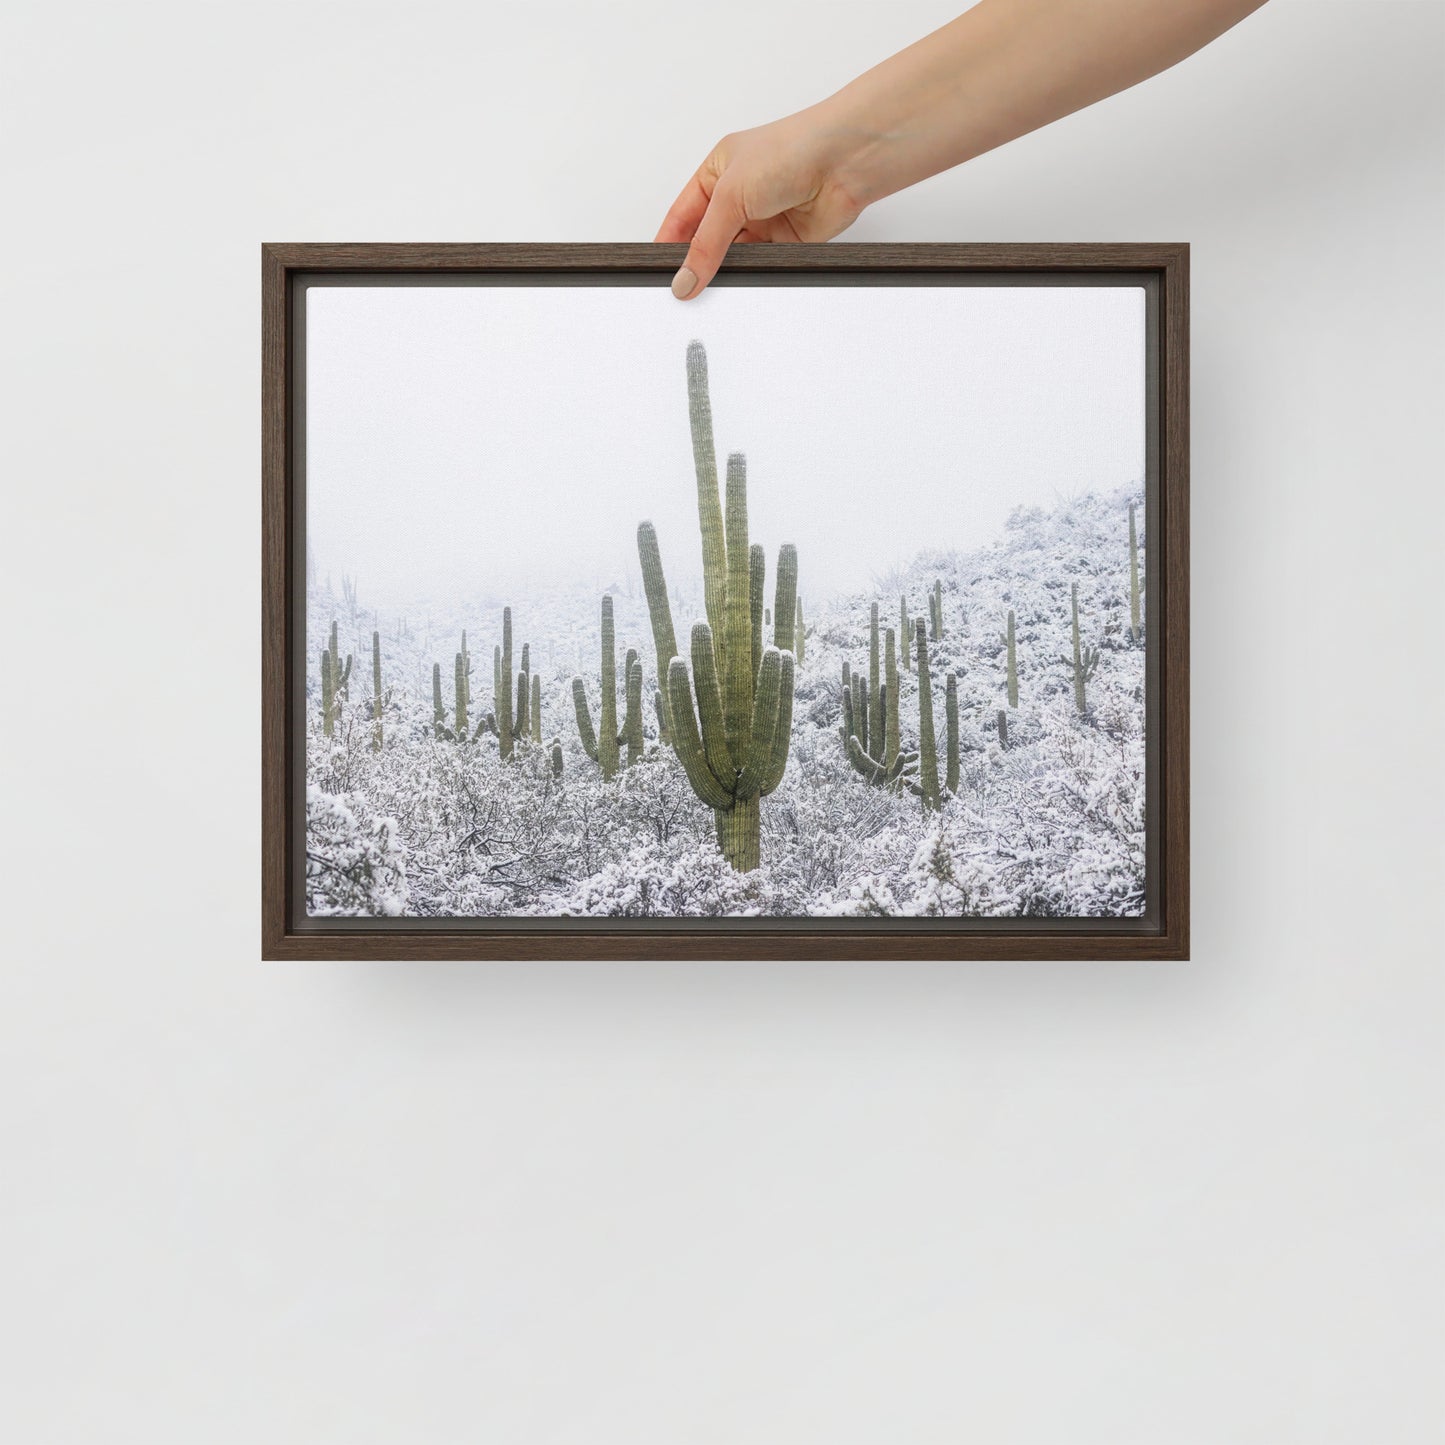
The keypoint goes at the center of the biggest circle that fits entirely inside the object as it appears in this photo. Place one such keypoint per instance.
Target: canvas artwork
(799, 601)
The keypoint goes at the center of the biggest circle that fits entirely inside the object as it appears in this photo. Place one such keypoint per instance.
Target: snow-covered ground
(1050, 826)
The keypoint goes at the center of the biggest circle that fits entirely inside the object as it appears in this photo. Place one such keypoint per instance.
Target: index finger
(686, 212)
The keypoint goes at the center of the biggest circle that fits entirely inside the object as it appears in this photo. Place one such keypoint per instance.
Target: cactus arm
(709, 508)
(687, 743)
(584, 718)
(891, 742)
(654, 584)
(710, 706)
(632, 730)
(757, 576)
(556, 760)
(873, 741)
(786, 607)
(800, 633)
(848, 722)
(764, 724)
(782, 730)
(735, 672)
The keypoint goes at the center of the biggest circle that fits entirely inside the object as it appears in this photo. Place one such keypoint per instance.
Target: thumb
(718, 229)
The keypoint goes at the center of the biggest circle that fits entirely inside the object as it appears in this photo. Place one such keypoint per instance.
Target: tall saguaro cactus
(1086, 659)
(927, 747)
(1013, 675)
(438, 710)
(376, 701)
(950, 710)
(905, 633)
(935, 611)
(734, 746)
(600, 745)
(1134, 628)
(536, 709)
(502, 680)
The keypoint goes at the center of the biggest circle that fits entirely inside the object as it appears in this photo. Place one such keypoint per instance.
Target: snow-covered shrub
(355, 864)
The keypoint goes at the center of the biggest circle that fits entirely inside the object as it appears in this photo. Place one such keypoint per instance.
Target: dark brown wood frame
(1165, 937)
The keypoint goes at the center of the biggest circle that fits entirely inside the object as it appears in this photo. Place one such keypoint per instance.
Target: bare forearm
(1004, 68)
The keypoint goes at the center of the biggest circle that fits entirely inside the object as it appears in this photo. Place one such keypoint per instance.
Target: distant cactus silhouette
(950, 709)
(1012, 663)
(935, 612)
(1002, 728)
(340, 676)
(927, 748)
(1086, 659)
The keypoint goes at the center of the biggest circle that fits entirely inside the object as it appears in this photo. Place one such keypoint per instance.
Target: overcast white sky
(467, 437)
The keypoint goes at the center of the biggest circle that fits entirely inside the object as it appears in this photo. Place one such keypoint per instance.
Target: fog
(492, 439)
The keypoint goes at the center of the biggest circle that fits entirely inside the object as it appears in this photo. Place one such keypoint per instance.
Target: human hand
(778, 182)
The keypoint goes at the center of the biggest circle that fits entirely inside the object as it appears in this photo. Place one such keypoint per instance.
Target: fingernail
(684, 283)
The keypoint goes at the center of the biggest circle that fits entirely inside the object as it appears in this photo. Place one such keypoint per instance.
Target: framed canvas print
(841, 612)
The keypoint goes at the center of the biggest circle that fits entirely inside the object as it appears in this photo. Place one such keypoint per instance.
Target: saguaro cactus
(1086, 659)
(744, 691)
(460, 692)
(927, 748)
(502, 678)
(800, 635)
(536, 709)
(438, 711)
(1134, 628)
(340, 675)
(950, 709)
(330, 707)
(632, 722)
(556, 759)
(1002, 728)
(874, 748)
(935, 611)
(376, 700)
(600, 745)
(905, 633)
(1013, 676)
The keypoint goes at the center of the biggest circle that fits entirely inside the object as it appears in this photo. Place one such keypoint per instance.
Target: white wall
(708, 1203)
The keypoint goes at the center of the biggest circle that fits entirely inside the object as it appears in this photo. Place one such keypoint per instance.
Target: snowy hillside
(1050, 824)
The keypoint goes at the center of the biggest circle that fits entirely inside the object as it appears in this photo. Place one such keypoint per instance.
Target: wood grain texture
(283, 263)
